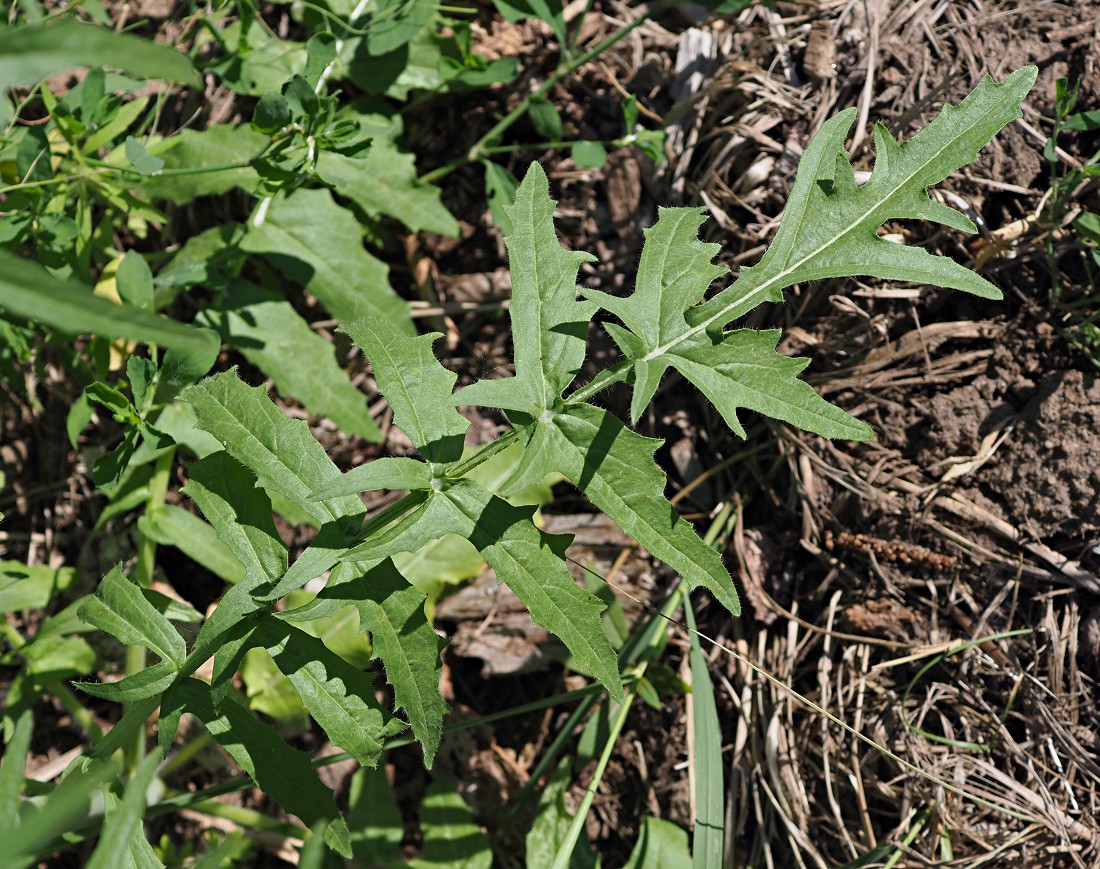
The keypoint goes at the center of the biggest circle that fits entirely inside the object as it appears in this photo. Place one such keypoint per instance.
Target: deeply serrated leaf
(275, 338)
(529, 560)
(614, 468)
(120, 609)
(674, 271)
(281, 452)
(287, 459)
(393, 611)
(549, 324)
(338, 695)
(278, 769)
(743, 369)
(829, 229)
(318, 244)
(416, 385)
(240, 513)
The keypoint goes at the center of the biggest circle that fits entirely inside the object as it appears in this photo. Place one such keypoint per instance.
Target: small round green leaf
(589, 155)
(272, 113)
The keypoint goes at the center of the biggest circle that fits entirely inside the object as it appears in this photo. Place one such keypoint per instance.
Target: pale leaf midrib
(781, 276)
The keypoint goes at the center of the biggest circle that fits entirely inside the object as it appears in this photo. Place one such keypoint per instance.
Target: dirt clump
(1049, 475)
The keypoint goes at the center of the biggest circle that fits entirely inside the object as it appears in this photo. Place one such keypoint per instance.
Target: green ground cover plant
(1065, 212)
(323, 181)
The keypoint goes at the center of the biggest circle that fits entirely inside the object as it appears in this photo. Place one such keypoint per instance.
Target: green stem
(910, 835)
(76, 709)
(479, 148)
(246, 817)
(14, 638)
(183, 755)
(544, 764)
(565, 852)
(483, 454)
(158, 488)
(106, 169)
(600, 382)
(395, 511)
(136, 657)
(539, 146)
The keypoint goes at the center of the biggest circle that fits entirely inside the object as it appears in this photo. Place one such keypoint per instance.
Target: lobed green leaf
(549, 325)
(282, 453)
(277, 768)
(416, 385)
(402, 637)
(614, 468)
(339, 696)
(120, 609)
(530, 561)
(829, 229)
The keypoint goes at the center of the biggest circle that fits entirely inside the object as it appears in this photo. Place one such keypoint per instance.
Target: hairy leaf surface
(549, 324)
(338, 695)
(240, 513)
(389, 472)
(529, 560)
(120, 609)
(393, 611)
(614, 468)
(281, 452)
(416, 385)
(275, 338)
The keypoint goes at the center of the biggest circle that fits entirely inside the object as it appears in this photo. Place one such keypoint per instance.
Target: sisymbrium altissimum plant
(829, 230)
